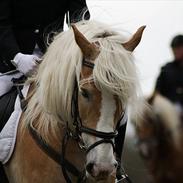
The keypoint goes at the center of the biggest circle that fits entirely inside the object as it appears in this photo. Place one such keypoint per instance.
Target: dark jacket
(23, 23)
(170, 82)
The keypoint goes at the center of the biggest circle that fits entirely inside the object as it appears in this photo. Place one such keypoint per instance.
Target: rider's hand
(26, 64)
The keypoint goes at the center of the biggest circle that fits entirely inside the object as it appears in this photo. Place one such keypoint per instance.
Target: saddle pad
(8, 133)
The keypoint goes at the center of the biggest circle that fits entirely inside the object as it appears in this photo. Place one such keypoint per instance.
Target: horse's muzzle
(101, 171)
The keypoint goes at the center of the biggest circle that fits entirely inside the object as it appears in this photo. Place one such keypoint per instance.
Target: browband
(88, 64)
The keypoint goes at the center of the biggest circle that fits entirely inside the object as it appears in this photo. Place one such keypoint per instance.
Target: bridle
(106, 137)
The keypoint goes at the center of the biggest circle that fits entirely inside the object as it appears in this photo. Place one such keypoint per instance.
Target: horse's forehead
(86, 72)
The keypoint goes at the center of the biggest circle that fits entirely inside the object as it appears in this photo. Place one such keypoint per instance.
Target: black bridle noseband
(106, 137)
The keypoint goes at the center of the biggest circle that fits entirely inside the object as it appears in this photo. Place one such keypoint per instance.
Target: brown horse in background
(160, 140)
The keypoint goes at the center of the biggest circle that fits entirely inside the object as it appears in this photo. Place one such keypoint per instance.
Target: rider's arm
(8, 45)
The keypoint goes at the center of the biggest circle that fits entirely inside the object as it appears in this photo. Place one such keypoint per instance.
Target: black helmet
(177, 41)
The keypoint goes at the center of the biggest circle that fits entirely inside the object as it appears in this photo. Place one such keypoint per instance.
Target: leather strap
(57, 157)
(88, 64)
(106, 141)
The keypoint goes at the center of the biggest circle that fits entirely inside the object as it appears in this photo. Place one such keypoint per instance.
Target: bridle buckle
(81, 143)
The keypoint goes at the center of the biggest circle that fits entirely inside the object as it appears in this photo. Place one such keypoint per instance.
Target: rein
(106, 137)
(56, 156)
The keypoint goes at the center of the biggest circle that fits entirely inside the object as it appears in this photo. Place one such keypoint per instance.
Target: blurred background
(163, 19)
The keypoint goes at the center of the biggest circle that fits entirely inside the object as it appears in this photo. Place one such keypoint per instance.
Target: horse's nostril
(116, 164)
(89, 167)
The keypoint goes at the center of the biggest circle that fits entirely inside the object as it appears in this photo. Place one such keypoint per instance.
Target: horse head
(98, 110)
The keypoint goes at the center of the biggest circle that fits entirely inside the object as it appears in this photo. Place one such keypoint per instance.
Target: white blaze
(103, 153)
(105, 124)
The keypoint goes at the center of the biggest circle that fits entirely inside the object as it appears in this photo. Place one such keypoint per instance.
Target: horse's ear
(135, 40)
(89, 50)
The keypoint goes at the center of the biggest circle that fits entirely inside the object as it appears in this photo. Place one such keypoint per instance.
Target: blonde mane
(114, 71)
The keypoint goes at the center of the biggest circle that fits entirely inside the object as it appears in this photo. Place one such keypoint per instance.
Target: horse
(160, 139)
(75, 100)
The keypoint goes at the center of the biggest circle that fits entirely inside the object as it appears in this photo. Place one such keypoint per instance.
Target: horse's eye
(85, 93)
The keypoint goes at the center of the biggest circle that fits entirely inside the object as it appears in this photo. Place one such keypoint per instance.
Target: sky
(163, 18)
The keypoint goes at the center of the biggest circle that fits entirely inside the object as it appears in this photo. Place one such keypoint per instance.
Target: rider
(25, 27)
(170, 80)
